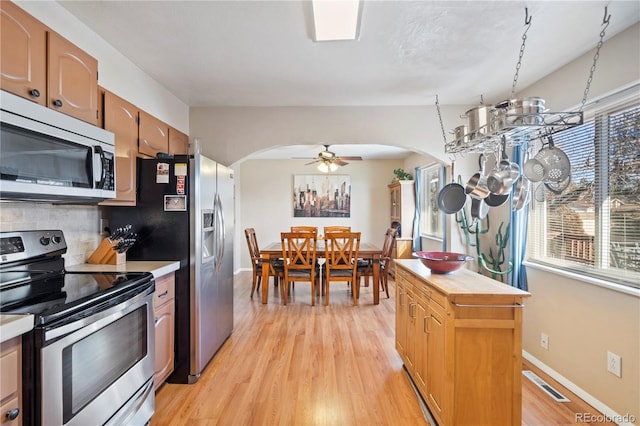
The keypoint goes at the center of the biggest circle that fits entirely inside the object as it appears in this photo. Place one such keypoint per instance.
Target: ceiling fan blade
(339, 162)
(311, 162)
(355, 158)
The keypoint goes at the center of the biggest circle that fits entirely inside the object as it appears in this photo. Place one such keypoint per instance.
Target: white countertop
(12, 325)
(157, 267)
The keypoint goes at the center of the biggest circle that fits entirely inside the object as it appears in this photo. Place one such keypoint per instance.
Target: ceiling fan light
(323, 167)
(333, 167)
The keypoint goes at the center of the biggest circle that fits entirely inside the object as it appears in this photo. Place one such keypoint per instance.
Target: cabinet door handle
(425, 320)
(13, 414)
(411, 310)
(35, 93)
(163, 294)
(57, 103)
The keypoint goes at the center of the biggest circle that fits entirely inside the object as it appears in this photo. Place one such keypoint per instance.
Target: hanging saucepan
(479, 209)
(555, 162)
(477, 185)
(521, 194)
(452, 197)
(500, 180)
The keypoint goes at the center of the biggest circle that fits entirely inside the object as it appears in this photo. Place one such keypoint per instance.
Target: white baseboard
(609, 413)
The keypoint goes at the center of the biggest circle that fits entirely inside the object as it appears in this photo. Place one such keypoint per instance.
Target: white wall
(264, 192)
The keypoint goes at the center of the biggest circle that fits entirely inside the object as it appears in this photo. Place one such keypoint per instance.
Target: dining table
(367, 251)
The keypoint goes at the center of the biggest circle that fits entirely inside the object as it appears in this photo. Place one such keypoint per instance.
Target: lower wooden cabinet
(460, 338)
(164, 310)
(11, 382)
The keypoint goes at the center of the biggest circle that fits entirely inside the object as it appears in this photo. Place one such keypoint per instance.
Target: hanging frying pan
(452, 197)
(495, 200)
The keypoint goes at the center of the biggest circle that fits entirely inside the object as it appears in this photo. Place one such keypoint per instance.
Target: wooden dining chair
(366, 271)
(328, 229)
(276, 268)
(299, 255)
(313, 229)
(341, 254)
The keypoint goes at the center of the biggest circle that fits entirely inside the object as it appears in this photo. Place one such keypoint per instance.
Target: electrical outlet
(544, 341)
(614, 364)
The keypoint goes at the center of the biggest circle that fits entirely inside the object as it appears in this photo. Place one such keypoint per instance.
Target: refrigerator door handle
(220, 233)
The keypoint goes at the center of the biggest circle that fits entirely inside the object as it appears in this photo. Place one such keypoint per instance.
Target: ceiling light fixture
(336, 20)
(327, 166)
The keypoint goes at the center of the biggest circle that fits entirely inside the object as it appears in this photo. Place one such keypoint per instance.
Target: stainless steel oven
(90, 358)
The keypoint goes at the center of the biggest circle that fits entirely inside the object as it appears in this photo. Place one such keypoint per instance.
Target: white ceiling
(260, 53)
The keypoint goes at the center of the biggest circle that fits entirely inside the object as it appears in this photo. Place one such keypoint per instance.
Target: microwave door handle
(103, 171)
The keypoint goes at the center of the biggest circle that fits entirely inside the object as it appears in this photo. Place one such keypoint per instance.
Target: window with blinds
(593, 226)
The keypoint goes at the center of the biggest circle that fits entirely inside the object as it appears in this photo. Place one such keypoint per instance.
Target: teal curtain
(417, 242)
(519, 223)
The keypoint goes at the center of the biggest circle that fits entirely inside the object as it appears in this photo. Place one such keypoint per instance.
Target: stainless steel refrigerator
(184, 212)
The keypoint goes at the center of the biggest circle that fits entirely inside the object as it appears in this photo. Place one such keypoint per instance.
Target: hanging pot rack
(515, 129)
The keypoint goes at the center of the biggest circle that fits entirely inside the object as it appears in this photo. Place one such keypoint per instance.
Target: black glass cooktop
(51, 297)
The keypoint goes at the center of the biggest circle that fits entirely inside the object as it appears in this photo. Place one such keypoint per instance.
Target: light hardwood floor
(304, 365)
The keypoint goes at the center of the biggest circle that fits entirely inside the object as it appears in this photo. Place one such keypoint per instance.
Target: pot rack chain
(444, 135)
(605, 21)
(527, 22)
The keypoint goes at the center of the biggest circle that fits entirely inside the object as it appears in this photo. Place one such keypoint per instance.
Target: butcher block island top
(460, 338)
(463, 283)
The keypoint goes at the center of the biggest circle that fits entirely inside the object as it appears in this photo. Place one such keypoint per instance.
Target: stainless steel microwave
(49, 156)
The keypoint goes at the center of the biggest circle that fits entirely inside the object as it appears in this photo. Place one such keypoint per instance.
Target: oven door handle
(99, 319)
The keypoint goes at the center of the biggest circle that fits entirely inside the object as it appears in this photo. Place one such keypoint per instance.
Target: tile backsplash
(79, 223)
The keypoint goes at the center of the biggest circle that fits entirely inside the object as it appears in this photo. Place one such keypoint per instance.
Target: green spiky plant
(494, 261)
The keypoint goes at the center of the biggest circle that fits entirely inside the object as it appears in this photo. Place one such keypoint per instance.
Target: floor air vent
(545, 386)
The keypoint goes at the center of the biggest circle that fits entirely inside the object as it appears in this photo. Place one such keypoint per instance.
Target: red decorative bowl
(442, 262)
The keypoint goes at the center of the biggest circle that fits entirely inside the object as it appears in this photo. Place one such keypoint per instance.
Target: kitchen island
(460, 338)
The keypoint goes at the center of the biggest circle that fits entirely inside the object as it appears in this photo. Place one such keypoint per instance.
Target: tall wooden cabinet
(460, 338)
(164, 310)
(23, 54)
(403, 207)
(121, 118)
(39, 64)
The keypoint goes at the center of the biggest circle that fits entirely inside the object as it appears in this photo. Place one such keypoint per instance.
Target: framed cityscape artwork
(326, 195)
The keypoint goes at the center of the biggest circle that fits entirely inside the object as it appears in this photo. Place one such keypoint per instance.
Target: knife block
(106, 255)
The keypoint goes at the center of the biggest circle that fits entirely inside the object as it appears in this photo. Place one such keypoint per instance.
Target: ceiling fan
(329, 161)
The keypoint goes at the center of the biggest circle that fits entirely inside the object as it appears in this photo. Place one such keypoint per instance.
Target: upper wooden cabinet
(39, 64)
(73, 80)
(23, 54)
(178, 142)
(153, 135)
(121, 118)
